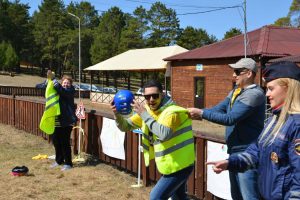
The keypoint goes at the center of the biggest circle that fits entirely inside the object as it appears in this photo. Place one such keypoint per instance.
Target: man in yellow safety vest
(167, 138)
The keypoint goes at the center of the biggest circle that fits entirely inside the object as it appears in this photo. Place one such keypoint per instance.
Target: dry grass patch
(21, 80)
(91, 180)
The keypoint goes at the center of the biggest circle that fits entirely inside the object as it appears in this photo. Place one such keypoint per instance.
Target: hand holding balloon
(122, 102)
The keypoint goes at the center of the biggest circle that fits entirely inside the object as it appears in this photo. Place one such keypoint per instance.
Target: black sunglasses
(239, 71)
(154, 96)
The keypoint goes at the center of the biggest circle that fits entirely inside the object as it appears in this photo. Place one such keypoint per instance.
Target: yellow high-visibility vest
(176, 153)
(52, 109)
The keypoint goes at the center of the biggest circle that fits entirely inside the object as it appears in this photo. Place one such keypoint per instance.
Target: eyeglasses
(239, 71)
(154, 96)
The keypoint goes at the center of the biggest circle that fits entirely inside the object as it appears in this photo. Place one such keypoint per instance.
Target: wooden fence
(31, 91)
(25, 114)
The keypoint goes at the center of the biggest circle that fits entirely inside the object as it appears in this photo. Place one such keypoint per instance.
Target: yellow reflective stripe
(175, 134)
(174, 148)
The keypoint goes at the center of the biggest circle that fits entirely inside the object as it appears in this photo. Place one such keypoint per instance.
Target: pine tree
(50, 24)
(163, 25)
(232, 32)
(107, 35)
(191, 38)
(11, 58)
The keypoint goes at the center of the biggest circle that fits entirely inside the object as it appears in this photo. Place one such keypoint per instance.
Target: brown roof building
(295, 59)
(202, 78)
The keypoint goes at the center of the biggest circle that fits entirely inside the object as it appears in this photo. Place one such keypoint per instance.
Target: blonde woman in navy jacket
(276, 154)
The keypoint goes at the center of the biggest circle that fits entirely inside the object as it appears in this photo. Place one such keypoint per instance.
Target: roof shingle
(268, 41)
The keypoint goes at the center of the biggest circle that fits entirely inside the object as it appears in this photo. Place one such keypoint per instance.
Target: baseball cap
(247, 63)
(283, 69)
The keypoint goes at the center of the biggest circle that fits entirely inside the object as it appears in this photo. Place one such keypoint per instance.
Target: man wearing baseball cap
(242, 112)
(276, 154)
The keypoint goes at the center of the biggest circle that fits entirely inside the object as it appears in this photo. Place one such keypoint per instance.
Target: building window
(199, 85)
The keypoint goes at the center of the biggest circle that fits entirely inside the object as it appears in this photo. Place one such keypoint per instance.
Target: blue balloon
(122, 101)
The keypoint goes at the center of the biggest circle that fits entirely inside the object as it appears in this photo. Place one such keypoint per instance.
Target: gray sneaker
(66, 167)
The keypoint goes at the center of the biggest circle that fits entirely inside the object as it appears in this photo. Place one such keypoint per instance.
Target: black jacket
(66, 103)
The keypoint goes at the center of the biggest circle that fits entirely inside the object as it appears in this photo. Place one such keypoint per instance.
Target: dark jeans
(61, 142)
(173, 185)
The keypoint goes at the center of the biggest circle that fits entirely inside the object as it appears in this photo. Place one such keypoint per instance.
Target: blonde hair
(291, 105)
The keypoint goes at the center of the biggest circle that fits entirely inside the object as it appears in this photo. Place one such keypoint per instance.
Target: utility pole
(79, 66)
(245, 29)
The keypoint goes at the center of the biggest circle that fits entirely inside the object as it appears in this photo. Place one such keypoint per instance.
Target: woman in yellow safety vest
(167, 138)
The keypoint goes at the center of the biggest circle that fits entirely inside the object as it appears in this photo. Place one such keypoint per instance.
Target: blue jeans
(244, 185)
(172, 185)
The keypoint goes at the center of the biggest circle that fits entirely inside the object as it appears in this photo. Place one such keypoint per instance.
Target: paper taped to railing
(80, 113)
(217, 184)
(112, 139)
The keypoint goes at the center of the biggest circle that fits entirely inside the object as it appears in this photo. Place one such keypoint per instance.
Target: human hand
(195, 113)
(218, 166)
(138, 107)
(50, 74)
(113, 107)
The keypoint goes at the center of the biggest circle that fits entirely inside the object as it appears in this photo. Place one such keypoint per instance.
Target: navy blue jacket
(278, 163)
(244, 121)
(66, 103)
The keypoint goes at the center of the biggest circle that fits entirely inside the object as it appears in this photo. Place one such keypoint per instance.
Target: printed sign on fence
(217, 184)
(112, 139)
(80, 111)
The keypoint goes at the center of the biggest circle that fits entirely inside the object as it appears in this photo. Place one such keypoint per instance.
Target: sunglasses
(154, 96)
(239, 71)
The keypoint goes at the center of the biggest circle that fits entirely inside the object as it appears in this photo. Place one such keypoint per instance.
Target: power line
(215, 8)
(207, 11)
(177, 5)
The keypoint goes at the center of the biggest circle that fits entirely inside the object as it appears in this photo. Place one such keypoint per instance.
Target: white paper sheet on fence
(112, 139)
(217, 184)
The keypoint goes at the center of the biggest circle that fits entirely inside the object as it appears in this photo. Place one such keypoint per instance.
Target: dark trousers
(61, 142)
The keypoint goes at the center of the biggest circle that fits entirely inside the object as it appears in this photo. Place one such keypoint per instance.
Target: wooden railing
(31, 91)
(25, 114)
(99, 97)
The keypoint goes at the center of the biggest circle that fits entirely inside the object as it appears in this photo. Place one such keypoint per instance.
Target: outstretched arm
(65, 92)
(218, 166)
(122, 123)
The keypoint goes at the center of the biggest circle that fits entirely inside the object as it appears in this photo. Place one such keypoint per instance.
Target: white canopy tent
(148, 59)
(138, 60)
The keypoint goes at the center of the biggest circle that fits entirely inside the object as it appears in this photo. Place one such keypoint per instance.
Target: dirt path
(92, 180)
(20, 80)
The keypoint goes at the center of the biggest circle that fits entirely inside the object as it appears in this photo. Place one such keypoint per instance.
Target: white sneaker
(51, 157)
(66, 167)
(54, 165)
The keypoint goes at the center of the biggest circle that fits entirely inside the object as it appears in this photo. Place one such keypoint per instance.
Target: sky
(258, 12)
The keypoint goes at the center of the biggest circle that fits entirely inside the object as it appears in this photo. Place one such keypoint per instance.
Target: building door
(199, 85)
